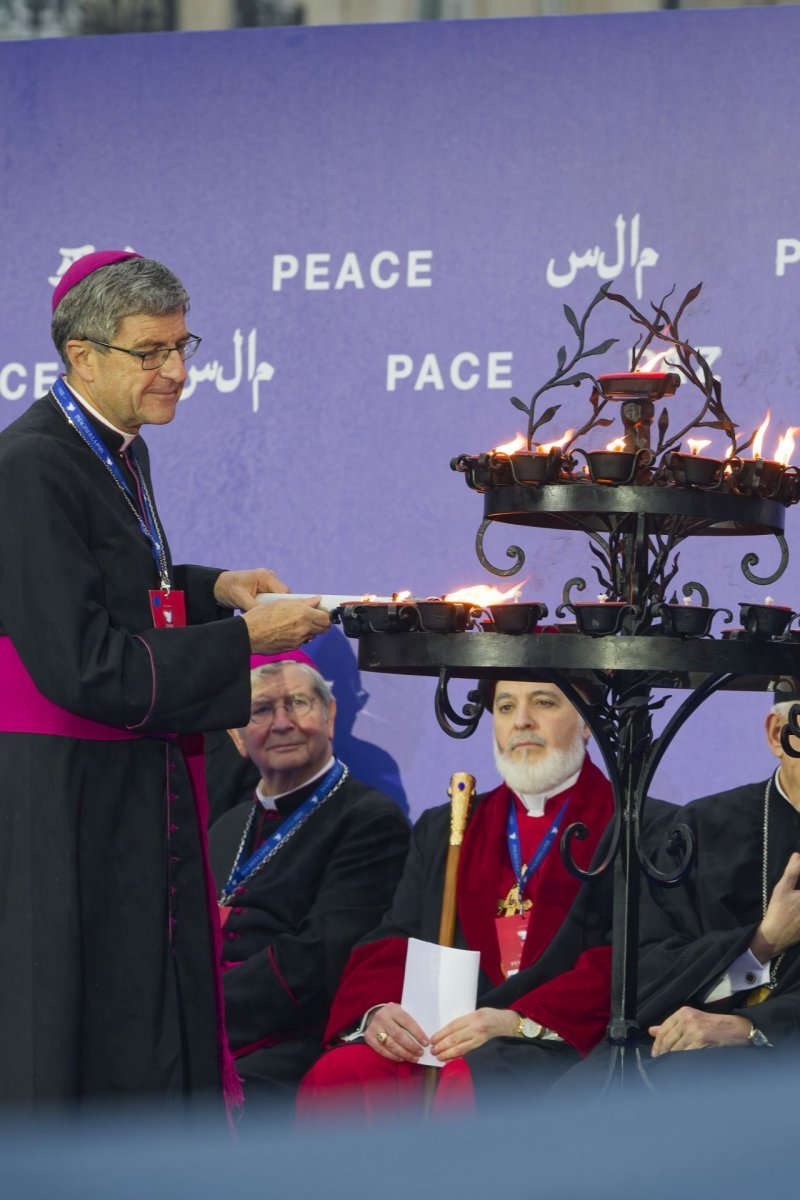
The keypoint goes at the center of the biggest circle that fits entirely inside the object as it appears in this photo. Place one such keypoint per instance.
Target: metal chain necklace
(775, 963)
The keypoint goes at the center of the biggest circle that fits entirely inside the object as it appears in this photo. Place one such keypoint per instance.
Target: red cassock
(564, 976)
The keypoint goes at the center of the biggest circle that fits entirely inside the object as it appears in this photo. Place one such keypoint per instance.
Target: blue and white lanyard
(512, 836)
(243, 870)
(147, 521)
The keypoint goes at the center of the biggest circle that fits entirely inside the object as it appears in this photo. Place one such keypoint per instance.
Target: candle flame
(602, 597)
(698, 444)
(400, 596)
(546, 447)
(520, 442)
(759, 438)
(482, 594)
(617, 444)
(687, 600)
(786, 446)
(769, 600)
(654, 362)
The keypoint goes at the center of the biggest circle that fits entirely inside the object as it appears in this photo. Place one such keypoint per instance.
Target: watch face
(528, 1028)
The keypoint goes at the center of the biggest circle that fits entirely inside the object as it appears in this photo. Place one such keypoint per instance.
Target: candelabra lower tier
(753, 664)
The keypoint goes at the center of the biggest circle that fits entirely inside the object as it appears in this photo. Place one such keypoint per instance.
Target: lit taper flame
(786, 446)
(482, 594)
(758, 440)
(520, 442)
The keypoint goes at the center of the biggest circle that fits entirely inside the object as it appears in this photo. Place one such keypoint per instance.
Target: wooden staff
(461, 793)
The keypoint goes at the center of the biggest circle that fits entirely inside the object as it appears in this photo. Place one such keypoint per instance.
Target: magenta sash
(23, 708)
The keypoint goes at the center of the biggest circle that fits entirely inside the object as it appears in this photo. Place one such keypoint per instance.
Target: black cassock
(295, 921)
(693, 932)
(105, 936)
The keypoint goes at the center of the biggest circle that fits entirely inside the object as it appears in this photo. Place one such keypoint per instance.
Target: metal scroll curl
(514, 552)
(791, 729)
(566, 594)
(752, 559)
(693, 588)
(577, 832)
(455, 724)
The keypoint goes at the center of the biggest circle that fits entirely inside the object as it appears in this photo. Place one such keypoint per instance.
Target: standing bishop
(111, 659)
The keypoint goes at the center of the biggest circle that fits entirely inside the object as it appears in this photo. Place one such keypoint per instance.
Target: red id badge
(168, 608)
(511, 933)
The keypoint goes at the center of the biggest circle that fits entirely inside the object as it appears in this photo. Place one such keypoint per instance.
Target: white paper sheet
(327, 602)
(440, 984)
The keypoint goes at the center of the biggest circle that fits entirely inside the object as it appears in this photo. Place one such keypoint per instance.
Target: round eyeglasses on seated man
(304, 869)
(112, 661)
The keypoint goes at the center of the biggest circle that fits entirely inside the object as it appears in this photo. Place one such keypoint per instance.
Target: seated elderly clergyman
(720, 957)
(303, 871)
(539, 1008)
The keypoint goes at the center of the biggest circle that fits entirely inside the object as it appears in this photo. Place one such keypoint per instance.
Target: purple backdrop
(376, 226)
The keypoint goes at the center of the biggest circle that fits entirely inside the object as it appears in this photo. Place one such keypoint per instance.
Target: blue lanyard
(243, 870)
(512, 836)
(147, 521)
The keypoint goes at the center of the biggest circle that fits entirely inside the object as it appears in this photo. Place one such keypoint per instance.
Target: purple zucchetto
(86, 266)
(289, 656)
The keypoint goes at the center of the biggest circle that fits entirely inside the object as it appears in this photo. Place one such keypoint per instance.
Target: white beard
(546, 773)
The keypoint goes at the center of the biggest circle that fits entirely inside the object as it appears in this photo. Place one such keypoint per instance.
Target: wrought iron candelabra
(636, 502)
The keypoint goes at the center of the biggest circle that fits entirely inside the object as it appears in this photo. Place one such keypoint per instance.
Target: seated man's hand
(404, 1040)
(691, 1029)
(469, 1032)
(238, 589)
(284, 624)
(780, 928)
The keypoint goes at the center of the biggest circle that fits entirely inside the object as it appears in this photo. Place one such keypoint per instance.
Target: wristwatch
(757, 1037)
(533, 1031)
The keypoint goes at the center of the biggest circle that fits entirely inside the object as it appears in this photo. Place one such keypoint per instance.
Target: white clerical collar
(270, 803)
(777, 781)
(127, 438)
(535, 801)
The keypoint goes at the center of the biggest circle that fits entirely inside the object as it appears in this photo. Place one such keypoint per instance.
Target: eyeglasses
(293, 706)
(151, 360)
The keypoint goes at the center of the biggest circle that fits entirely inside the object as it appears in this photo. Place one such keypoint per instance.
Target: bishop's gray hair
(97, 305)
(323, 687)
(784, 707)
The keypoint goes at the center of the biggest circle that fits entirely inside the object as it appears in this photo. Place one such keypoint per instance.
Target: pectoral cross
(512, 905)
(757, 995)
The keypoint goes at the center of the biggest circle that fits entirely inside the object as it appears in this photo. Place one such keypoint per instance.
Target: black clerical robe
(693, 932)
(294, 922)
(105, 928)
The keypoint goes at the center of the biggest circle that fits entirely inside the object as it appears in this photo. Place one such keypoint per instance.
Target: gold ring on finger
(382, 1037)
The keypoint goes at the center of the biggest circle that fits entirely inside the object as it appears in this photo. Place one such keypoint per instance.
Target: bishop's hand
(238, 589)
(284, 624)
(394, 1034)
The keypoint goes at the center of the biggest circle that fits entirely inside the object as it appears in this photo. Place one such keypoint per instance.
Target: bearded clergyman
(542, 935)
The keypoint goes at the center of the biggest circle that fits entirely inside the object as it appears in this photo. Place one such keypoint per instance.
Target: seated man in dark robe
(539, 1009)
(303, 870)
(720, 957)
